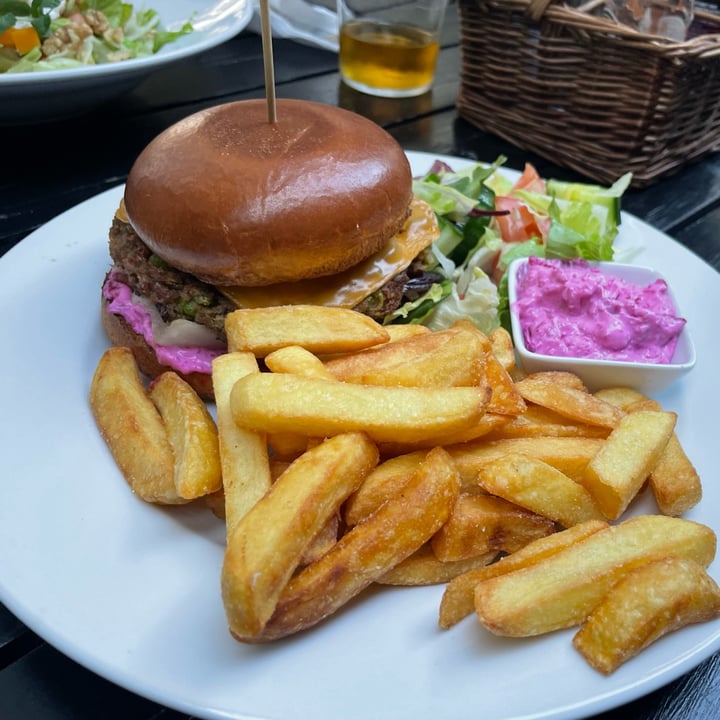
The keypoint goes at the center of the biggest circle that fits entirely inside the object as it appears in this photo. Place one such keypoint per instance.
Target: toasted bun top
(236, 200)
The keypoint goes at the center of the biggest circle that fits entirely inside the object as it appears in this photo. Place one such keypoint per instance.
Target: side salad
(487, 220)
(59, 34)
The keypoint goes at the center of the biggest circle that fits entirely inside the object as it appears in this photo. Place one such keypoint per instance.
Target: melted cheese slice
(352, 286)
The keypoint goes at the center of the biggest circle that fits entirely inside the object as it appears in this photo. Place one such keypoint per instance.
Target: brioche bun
(121, 334)
(236, 200)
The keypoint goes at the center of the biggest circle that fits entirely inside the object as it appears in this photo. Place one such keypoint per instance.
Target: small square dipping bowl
(644, 377)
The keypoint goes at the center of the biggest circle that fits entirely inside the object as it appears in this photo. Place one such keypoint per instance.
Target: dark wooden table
(50, 168)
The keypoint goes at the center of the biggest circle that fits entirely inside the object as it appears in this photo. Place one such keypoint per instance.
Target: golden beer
(392, 60)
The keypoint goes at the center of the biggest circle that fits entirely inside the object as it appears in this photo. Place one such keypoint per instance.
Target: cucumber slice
(609, 197)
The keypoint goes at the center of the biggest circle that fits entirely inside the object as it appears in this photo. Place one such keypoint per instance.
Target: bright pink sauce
(182, 359)
(570, 309)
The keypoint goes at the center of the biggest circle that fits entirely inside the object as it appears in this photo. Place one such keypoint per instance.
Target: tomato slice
(530, 180)
(520, 223)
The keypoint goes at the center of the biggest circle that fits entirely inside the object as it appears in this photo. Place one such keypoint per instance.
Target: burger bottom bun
(121, 334)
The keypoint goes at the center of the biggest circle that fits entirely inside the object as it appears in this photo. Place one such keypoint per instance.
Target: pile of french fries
(343, 454)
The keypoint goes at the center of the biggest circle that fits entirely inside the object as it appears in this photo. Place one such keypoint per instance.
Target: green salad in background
(37, 35)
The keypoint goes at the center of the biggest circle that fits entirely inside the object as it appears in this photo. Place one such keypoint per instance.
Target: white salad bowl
(646, 377)
(34, 97)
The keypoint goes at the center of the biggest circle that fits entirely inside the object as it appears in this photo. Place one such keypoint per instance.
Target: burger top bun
(236, 200)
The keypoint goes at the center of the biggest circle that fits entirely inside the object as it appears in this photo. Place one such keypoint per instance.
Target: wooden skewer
(268, 64)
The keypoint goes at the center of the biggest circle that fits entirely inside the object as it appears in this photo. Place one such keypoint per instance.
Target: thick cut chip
(674, 481)
(560, 591)
(193, 436)
(572, 402)
(652, 600)
(620, 396)
(290, 403)
(458, 600)
(480, 524)
(570, 455)
(558, 377)
(322, 542)
(460, 360)
(243, 452)
(505, 399)
(298, 361)
(616, 474)
(387, 480)
(269, 541)
(352, 367)
(486, 425)
(321, 330)
(369, 550)
(540, 488)
(538, 421)
(423, 568)
(132, 427)
(402, 332)
(502, 347)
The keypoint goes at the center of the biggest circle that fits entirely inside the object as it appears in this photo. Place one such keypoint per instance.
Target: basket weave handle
(536, 8)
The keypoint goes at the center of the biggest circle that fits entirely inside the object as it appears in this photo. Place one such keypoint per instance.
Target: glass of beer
(389, 47)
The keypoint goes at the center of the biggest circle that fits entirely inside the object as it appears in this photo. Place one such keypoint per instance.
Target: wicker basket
(589, 94)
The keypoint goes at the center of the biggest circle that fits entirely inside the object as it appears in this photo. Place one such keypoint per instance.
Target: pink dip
(182, 359)
(567, 308)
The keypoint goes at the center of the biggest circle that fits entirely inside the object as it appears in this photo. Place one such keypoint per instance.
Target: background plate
(53, 95)
(132, 591)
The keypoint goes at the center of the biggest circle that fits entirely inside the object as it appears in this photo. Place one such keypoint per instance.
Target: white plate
(132, 591)
(38, 96)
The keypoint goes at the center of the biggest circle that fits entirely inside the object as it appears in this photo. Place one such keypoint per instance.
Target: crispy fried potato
(570, 455)
(286, 445)
(502, 347)
(458, 361)
(193, 436)
(674, 481)
(243, 452)
(458, 600)
(559, 377)
(405, 330)
(298, 361)
(320, 330)
(540, 488)
(268, 542)
(322, 542)
(353, 366)
(368, 551)
(505, 399)
(561, 590)
(616, 474)
(423, 568)
(487, 424)
(622, 397)
(652, 600)
(479, 524)
(132, 427)
(387, 480)
(567, 400)
(539, 421)
(291, 403)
